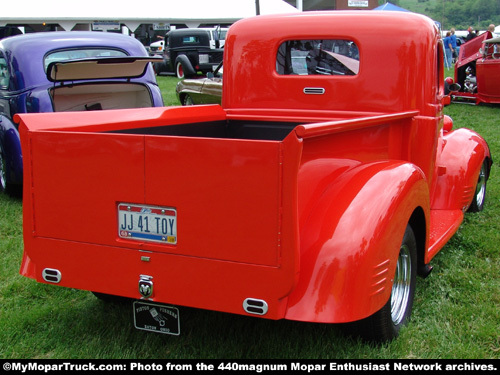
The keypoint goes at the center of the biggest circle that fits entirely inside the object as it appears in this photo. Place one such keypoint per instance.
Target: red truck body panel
(386, 69)
(228, 196)
(299, 200)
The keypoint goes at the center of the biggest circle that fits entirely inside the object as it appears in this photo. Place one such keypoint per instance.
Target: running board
(443, 225)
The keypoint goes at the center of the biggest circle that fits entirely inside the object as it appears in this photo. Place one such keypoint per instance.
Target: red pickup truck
(324, 183)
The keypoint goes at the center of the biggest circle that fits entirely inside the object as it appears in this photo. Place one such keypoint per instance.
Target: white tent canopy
(132, 13)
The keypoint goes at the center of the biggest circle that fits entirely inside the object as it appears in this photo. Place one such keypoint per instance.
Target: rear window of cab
(318, 57)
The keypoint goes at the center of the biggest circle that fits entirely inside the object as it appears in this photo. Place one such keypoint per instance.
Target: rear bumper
(208, 67)
(178, 280)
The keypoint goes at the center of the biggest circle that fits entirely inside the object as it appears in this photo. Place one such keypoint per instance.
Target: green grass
(167, 87)
(456, 312)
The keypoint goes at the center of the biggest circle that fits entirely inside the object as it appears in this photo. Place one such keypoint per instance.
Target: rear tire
(179, 70)
(386, 323)
(480, 194)
(12, 190)
(109, 298)
(188, 100)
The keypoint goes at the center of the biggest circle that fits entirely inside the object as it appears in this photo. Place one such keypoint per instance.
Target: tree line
(459, 14)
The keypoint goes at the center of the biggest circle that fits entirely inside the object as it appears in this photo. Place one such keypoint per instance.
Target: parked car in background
(477, 71)
(6, 31)
(156, 48)
(201, 91)
(67, 71)
(190, 51)
(217, 36)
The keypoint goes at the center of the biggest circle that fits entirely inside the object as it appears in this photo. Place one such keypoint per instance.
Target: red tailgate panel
(77, 179)
(226, 192)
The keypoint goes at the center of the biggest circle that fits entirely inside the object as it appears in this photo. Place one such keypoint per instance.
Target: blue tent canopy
(390, 6)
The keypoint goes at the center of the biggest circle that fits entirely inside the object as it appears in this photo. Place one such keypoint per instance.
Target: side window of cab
(4, 86)
(4, 73)
(318, 57)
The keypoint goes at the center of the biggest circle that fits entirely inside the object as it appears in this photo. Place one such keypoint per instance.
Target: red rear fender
(350, 240)
(458, 164)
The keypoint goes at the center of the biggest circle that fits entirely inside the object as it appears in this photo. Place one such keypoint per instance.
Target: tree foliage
(456, 13)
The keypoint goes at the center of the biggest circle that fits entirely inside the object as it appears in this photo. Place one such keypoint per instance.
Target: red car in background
(477, 71)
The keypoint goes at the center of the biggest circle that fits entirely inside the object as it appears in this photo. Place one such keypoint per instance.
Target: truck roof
(397, 51)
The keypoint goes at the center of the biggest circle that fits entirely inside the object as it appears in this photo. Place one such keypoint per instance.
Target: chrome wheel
(481, 186)
(188, 100)
(401, 286)
(3, 173)
(384, 324)
(480, 193)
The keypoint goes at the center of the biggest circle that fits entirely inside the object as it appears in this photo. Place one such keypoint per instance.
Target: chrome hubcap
(401, 286)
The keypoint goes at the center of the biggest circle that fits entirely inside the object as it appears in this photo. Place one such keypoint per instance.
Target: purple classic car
(67, 71)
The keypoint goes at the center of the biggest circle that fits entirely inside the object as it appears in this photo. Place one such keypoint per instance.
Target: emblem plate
(146, 286)
(155, 317)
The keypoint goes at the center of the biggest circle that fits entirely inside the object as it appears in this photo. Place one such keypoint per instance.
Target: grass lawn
(456, 313)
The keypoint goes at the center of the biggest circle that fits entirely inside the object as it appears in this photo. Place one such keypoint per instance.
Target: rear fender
(351, 239)
(186, 64)
(458, 165)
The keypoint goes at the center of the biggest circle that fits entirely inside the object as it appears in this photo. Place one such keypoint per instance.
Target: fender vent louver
(255, 306)
(51, 275)
(314, 90)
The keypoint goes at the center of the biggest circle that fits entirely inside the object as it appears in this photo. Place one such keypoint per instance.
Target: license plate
(156, 318)
(147, 223)
(203, 59)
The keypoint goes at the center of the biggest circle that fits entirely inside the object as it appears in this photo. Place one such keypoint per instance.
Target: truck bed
(228, 129)
(223, 180)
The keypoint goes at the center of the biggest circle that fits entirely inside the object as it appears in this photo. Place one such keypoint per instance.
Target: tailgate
(226, 192)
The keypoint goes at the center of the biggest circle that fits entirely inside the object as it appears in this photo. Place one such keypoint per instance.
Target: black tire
(12, 190)
(385, 324)
(159, 67)
(109, 298)
(480, 194)
(187, 100)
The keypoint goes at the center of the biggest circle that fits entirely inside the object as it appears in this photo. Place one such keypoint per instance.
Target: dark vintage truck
(323, 185)
(188, 52)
